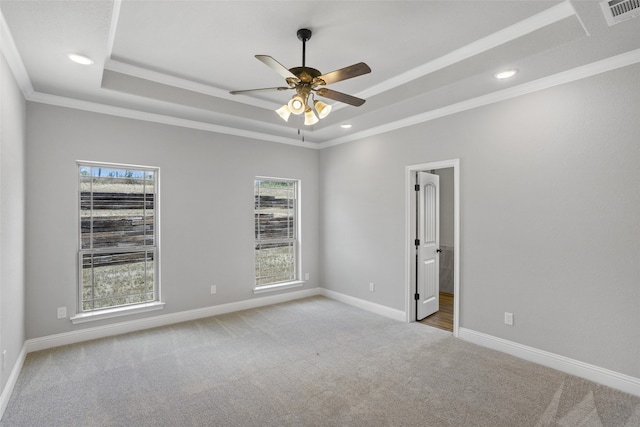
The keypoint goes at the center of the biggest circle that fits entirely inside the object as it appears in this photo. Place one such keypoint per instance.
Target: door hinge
(416, 187)
(417, 242)
(416, 297)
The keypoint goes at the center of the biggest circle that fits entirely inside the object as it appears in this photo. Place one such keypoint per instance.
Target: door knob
(438, 250)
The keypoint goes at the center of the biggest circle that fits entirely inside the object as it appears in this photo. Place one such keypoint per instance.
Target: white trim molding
(129, 113)
(14, 60)
(165, 79)
(51, 341)
(72, 337)
(508, 34)
(372, 307)
(12, 380)
(622, 382)
(550, 16)
(115, 17)
(109, 313)
(278, 287)
(574, 74)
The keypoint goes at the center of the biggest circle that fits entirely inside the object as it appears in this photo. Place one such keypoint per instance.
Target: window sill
(116, 312)
(278, 287)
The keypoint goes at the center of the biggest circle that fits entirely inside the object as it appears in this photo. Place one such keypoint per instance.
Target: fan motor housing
(305, 74)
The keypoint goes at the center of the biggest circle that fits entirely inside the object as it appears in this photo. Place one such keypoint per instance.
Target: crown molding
(61, 101)
(158, 77)
(561, 11)
(11, 54)
(512, 32)
(163, 78)
(547, 17)
(115, 16)
(578, 73)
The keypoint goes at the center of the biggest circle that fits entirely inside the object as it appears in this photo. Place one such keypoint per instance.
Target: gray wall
(12, 220)
(550, 210)
(206, 196)
(549, 213)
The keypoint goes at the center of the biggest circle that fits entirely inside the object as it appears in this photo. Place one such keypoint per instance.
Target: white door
(428, 247)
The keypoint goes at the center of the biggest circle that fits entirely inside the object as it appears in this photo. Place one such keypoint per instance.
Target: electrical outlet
(306, 276)
(214, 289)
(508, 318)
(372, 287)
(62, 312)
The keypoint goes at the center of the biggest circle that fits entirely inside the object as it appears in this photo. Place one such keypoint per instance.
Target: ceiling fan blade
(276, 66)
(345, 73)
(339, 96)
(264, 89)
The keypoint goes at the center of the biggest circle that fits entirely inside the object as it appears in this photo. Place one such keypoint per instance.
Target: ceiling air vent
(616, 11)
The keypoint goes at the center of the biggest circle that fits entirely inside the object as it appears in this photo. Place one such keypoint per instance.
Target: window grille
(118, 235)
(276, 235)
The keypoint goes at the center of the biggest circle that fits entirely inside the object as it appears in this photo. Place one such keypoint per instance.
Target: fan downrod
(304, 34)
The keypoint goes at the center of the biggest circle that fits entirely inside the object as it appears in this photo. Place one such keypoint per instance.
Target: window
(276, 231)
(118, 236)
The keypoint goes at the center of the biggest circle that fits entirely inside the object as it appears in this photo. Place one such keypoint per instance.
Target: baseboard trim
(12, 380)
(65, 338)
(612, 379)
(382, 310)
(50, 341)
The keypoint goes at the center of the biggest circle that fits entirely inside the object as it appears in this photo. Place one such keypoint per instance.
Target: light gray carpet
(312, 362)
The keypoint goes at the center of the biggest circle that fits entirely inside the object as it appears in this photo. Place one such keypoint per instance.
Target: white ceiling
(176, 61)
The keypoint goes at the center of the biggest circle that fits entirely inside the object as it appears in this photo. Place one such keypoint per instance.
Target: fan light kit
(309, 83)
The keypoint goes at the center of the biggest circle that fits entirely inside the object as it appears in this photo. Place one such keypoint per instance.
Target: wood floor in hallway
(443, 318)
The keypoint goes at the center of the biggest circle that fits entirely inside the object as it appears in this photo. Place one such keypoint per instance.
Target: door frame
(410, 170)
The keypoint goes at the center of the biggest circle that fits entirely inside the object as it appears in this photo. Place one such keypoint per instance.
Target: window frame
(126, 309)
(297, 241)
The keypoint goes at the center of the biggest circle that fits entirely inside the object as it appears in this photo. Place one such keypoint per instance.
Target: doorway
(449, 244)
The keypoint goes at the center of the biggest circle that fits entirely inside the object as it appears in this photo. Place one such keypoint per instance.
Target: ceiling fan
(309, 82)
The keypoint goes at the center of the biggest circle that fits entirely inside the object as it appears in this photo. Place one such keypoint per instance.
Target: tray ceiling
(176, 61)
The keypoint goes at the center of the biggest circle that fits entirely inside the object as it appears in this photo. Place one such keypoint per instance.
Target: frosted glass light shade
(284, 112)
(322, 109)
(297, 105)
(310, 117)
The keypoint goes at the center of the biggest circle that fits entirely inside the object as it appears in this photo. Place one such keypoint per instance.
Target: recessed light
(80, 59)
(345, 126)
(505, 74)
